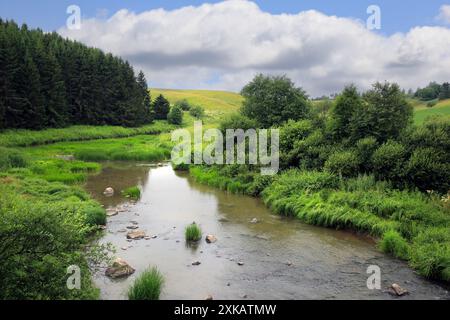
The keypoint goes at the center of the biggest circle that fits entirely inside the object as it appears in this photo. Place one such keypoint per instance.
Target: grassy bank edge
(407, 224)
(26, 138)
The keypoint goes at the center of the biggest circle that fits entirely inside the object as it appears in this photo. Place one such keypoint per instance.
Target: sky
(322, 45)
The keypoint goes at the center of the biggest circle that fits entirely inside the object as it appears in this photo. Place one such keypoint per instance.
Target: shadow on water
(274, 258)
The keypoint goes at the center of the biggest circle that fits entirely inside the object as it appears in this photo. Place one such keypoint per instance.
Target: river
(282, 258)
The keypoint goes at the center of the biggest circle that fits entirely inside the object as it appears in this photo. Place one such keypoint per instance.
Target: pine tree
(48, 81)
(161, 107)
(146, 104)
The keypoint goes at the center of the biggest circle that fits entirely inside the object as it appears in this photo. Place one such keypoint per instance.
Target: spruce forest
(47, 81)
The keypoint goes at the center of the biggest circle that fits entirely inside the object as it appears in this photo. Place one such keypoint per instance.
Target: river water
(282, 257)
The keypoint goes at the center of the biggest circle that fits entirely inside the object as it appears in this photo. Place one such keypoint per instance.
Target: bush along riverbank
(46, 227)
(410, 225)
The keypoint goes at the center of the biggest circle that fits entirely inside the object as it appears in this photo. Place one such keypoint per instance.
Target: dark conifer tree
(48, 81)
(147, 108)
(161, 108)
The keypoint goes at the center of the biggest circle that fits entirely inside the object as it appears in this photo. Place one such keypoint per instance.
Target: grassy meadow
(422, 111)
(42, 175)
(216, 103)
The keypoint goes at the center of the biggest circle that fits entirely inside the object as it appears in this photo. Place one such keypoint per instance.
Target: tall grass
(147, 286)
(23, 138)
(10, 158)
(132, 192)
(138, 148)
(68, 172)
(234, 179)
(154, 154)
(394, 244)
(193, 233)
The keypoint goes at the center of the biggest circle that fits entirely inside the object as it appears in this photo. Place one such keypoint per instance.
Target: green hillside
(422, 112)
(215, 103)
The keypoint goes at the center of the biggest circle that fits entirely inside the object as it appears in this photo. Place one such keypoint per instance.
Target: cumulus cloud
(223, 45)
(444, 14)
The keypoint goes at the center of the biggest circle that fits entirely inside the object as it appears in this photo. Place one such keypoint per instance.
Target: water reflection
(119, 176)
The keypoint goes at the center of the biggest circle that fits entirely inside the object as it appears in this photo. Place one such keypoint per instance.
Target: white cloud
(444, 14)
(222, 46)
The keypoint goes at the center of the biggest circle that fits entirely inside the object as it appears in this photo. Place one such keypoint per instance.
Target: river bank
(282, 258)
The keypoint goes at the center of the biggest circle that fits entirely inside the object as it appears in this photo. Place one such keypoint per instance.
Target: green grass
(132, 192)
(410, 225)
(23, 138)
(402, 219)
(147, 286)
(394, 244)
(216, 103)
(10, 158)
(193, 233)
(422, 112)
(137, 148)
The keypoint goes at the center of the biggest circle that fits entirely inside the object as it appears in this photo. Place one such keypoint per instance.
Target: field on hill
(422, 112)
(215, 103)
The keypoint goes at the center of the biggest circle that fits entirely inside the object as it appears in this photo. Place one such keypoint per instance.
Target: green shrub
(175, 115)
(290, 134)
(132, 192)
(95, 216)
(147, 286)
(434, 133)
(180, 167)
(388, 161)
(183, 104)
(313, 151)
(258, 185)
(197, 112)
(365, 149)
(393, 243)
(429, 169)
(193, 232)
(237, 121)
(343, 163)
(47, 237)
(430, 253)
(432, 103)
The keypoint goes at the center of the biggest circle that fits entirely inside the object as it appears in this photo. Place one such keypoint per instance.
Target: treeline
(433, 91)
(48, 81)
(358, 133)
